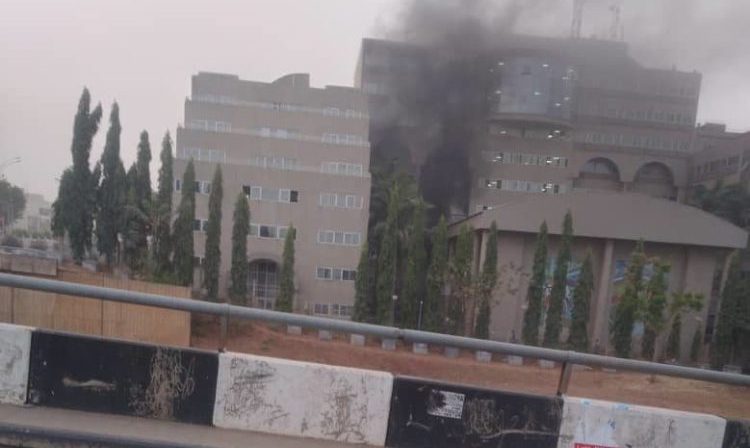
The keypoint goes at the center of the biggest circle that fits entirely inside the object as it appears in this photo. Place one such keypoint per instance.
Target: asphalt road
(46, 427)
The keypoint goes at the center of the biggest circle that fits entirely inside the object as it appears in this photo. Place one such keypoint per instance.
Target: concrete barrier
(15, 348)
(592, 423)
(737, 434)
(108, 376)
(426, 414)
(302, 399)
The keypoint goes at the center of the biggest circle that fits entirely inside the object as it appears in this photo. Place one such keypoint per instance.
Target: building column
(600, 324)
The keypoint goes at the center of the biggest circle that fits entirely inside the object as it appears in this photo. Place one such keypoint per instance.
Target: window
(320, 308)
(196, 224)
(177, 184)
(339, 238)
(341, 310)
(524, 186)
(268, 232)
(341, 200)
(349, 275)
(526, 159)
(324, 273)
(200, 225)
(257, 193)
(342, 168)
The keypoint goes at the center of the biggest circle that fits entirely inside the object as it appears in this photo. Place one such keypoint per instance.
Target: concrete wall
(427, 414)
(599, 423)
(302, 399)
(15, 346)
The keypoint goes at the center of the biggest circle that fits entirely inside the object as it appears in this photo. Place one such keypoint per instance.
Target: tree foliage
(285, 299)
(212, 263)
(134, 234)
(727, 335)
(416, 266)
(578, 338)
(12, 202)
(436, 279)
(143, 174)
(553, 323)
(652, 309)
(535, 294)
(113, 192)
(162, 245)
(362, 301)
(626, 311)
(388, 259)
(239, 269)
(461, 278)
(729, 202)
(487, 283)
(76, 200)
(183, 229)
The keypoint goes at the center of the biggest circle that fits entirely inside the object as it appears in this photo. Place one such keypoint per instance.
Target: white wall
(606, 424)
(15, 348)
(302, 399)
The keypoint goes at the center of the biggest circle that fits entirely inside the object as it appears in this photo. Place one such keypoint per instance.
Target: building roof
(613, 215)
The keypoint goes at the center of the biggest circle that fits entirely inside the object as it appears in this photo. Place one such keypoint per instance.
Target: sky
(142, 54)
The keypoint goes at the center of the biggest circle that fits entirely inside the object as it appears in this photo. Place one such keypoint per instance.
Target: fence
(92, 316)
(566, 358)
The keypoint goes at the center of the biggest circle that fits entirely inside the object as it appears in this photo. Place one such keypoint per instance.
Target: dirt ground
(660, 391)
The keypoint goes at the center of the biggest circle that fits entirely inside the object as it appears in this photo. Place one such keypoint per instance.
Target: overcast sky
(143, 52)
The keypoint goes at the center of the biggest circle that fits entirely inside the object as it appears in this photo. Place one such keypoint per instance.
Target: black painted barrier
(430, 414)
(737, 434)
(117, 377)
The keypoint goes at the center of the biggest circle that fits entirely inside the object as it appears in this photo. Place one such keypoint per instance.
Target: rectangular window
(255, 193)
(294, 196)
(177, 185)
(204, 225)
(253, 229)
(324, 273)
(320, 308)
(285, 195)
(196, 224)
(349, 275)
(268, 232)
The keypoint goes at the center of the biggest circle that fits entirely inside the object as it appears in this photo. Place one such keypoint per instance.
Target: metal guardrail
(567, 358)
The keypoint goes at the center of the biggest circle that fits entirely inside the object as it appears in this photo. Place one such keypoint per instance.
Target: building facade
(608, 225)
(561, 115)
(720, 156)
(300, 155)
(36, 218)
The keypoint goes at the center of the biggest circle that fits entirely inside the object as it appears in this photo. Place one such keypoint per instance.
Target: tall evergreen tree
(76, 201)
(696, 345)
(553, 323)
(626, 311)
(163, 210)
(212, 264)
(414, 282)
(728, 328)
(535, 294)
(134, 237)
(285, 300)
(362, 311)
(113, 191)
(143, 172)
(654, 307)
(673, 341)
(487, 283)
(385, 286)
(183, 229)
(578, 338)
(240, 231)
(461, 281)
(436, 278)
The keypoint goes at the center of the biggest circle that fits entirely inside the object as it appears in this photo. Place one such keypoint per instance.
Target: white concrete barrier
(15, 349)
(302, 399)
(600, 424)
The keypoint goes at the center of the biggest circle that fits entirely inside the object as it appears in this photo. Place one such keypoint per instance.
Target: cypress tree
(535, 293)
(696, 345)
(413, 291)
(578, 339)
(163, 209)
(654, 307)
(553, 324)
(385, 285)
(183, 229)
(726, 334)
(673, 341)
(461, 281)
(362, 311)
(285, 300)
(240, 231)
(134, 237)
(143, 174)
(627, 310)
(488, 281)
(76, 202)
(436, 277)
(112, 193)
(212, 263)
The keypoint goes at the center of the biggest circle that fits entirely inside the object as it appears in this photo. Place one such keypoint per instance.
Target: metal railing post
(566, 372)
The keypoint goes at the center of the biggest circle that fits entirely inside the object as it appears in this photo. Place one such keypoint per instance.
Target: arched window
(601, 167)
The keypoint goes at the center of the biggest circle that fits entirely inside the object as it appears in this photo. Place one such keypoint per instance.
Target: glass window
(253, 229)
(294, 196)
(320, 308)
(324, 273)
(196, 224)
(338, 238)
(177, 184)
(284, 195)
(336, 274)
(267, 232)
(349, 275)
(255, 193)
(204, 225)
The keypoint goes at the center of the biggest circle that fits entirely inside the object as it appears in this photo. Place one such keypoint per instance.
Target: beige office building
(301, 157)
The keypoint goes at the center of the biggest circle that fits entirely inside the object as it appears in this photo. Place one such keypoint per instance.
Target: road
(46, 427)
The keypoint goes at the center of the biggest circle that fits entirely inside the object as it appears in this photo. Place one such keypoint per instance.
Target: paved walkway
(99, 429)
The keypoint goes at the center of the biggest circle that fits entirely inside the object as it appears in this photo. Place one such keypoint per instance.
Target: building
(720, 156)
(561, 115)
(609, 224)
(36, 216)
(301, 157)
